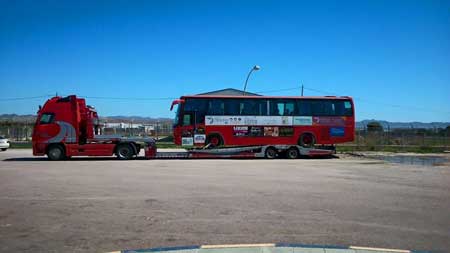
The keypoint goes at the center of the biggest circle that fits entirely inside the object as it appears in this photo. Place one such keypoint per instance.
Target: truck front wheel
(124, 152)
(55, 153)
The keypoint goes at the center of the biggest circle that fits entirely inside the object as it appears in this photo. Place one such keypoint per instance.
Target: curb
(206, 248)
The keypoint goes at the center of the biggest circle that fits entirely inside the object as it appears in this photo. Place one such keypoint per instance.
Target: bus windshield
(177, 114)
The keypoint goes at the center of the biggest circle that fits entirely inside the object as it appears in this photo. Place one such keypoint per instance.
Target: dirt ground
(101, 205)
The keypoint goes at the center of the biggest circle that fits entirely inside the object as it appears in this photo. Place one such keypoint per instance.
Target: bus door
(188, 129)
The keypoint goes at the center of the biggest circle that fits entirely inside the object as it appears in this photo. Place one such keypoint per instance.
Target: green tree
(374, 126)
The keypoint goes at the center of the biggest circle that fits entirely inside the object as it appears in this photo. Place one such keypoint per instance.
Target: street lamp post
(255, 68)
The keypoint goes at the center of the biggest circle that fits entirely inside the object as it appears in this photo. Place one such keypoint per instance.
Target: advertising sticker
(271, 131)
(337, 131)
(248, 120)
(240, 130)
(329, 121)
(187, 141)
(199, 138)
(302, 121)
(286, 131)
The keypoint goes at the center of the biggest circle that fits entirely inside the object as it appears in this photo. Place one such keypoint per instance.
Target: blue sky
(392, 56)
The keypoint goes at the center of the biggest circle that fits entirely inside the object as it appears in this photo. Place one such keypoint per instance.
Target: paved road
(104, 205)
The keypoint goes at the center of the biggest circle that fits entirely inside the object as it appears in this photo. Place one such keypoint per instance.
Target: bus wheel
(292, 153)
(271, 153)
(55, 153)
(214, 140)
(124, 152)
(307, 140)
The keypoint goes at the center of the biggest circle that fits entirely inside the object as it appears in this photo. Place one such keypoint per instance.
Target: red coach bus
(263, 120)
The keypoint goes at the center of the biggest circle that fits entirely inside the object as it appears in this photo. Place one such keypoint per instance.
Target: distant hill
(17, 118)
(140, 119)
(135, 119)
(414, 124)
(111, 119)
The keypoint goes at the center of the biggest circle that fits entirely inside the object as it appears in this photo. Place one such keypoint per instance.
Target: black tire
(214, 140)
(307, 140)
(56, 153)
(124, 152)
(271, 153)
(4, 149)
(292, 153)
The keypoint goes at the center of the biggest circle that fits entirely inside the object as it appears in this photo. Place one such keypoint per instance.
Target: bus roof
(267, 97)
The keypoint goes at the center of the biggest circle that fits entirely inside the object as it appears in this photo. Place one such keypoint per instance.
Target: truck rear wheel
(271, 153)
(292, 153)
(124, 152)
(55, 153)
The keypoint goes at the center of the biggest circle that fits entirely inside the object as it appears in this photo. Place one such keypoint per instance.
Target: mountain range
(139, 119)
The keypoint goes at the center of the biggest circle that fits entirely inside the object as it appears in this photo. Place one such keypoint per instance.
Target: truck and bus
(208, 126)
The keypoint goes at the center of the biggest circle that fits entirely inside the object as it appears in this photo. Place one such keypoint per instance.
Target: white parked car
(4, 143)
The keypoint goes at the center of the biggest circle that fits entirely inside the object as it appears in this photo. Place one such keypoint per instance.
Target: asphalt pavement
(101, 205)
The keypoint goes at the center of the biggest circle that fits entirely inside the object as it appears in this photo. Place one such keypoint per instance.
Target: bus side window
(231, 107)
(279, 109)
(283, 108)
(289, 108)
(262, 107)
(216, 107)
(347, 109)
(276, 108)
(250, 107)
(304, 107)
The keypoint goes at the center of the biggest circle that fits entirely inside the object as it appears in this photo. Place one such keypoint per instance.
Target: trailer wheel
(124, 152)
(292, 153)
(307, 140)
(55, 153)
(271, 153)
(214, 140)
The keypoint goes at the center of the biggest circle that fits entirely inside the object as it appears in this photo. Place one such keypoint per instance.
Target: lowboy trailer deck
(269, 152)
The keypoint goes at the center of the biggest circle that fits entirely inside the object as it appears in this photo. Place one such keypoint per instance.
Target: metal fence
(400, 139)
(364, 139)
(16, 131)
(22, 131)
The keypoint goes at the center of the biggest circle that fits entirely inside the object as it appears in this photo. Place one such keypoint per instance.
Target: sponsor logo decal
(271, 131)
(187, 141)
(240, 130)
(248, 120)
(303, 120)
(329, 121)
(337, 131)
(199, 138)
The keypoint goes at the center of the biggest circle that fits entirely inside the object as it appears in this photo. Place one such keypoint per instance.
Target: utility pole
(302, 90)
(157, 129)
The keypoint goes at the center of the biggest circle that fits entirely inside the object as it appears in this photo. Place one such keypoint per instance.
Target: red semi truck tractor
(66, 127)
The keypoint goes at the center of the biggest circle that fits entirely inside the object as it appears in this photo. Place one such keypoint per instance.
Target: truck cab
(66, 127)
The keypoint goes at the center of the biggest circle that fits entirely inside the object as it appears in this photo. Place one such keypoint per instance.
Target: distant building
(229, 92)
